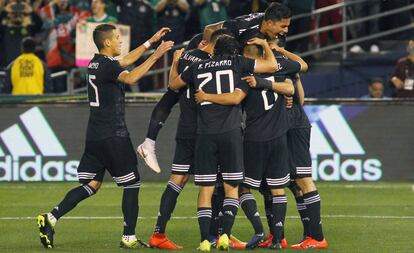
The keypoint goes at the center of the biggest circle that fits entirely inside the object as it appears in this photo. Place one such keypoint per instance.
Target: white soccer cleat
(147, 152)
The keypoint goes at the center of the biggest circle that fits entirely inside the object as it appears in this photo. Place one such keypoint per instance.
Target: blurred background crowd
(52, 26)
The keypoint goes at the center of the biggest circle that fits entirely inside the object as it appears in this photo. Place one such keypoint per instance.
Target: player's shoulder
(403, 60)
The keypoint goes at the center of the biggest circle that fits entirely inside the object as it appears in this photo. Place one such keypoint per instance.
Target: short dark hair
(277, 11)
(28, 45)
(101, 33)
(375, 80)
(226, 45)
(216, 34)
(193, 44)
(253, 50)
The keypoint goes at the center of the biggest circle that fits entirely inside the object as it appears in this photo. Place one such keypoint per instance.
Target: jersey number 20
(209, 76)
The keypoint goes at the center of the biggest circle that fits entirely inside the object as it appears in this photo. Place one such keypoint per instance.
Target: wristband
(147, 44)
(262, 83)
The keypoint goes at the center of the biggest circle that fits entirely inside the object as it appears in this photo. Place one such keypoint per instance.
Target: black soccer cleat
(275, 246)
(255, 241)
(46, 231)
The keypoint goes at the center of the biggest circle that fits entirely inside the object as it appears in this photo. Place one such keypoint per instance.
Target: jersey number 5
(95, 88)
(209, 76)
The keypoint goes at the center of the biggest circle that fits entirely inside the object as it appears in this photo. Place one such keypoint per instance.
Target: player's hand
(200, 96)
(158, 35)
(257, 41)
(177, 55)
(288, 101)
(164, 47)
(250, 80)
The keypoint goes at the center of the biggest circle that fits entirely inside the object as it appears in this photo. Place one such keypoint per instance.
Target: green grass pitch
(357, 217)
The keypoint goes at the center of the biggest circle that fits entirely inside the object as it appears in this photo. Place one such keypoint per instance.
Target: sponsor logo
(30, 151)
(336, 152)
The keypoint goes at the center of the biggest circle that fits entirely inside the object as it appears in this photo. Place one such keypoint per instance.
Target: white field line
(339, 216)
(109, 185)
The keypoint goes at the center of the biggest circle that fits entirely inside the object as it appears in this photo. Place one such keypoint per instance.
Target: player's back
(266, 116)
(187, 125)
(242, 23)
(220, 74)
(106, 99)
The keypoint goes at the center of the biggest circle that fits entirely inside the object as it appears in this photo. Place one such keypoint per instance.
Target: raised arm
(174, 66)
(268, 64)
(233, 98)
(131, 77)
(135, 54)
(293, 57)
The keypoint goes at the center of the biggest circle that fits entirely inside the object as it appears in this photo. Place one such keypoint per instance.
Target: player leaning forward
(108, 145)
(219, 133)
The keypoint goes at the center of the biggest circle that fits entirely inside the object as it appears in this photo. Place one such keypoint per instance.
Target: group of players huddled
(235, 69)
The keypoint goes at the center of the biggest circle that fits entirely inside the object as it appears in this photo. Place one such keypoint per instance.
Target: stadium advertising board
(348, 142)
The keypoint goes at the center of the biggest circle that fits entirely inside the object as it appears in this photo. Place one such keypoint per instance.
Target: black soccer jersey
(215, 76)
(297, 116)
(266, 116)
(240, 24)
(187, 125)
(106, 99)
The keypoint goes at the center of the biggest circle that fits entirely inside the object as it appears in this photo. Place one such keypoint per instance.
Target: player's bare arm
(284, 88)
(174, 66)
(292, 56)
(131, 77)
(301, 91)
(177, 83)
(232, 98)
(135, 54)
(268, 64)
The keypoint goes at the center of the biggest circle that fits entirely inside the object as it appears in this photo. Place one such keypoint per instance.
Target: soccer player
(108, 145)
(219, 134)
(160, 114)
(309, 204)
(272, 22)
(185, 142)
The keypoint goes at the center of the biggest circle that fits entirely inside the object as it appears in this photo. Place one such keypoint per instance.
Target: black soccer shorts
(267, 161)
(300, 159)
(115, 154)
(183, 157)
(224, 149)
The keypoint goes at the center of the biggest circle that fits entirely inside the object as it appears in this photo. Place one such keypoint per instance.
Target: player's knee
(180, 180)
(278, 192)
(295, 189)
(231, 190)
(95, 185)
(306, 184)
(244, 190)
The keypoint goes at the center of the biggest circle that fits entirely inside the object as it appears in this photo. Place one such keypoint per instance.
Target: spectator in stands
(237, 8)
(366, 28)
(403, 77)
(211, 11)
(171, 13)
(17, 20)
(138, 14)
(300, 25)
(375, 89)
(27, 75)
(99, 15)
(329, 18)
